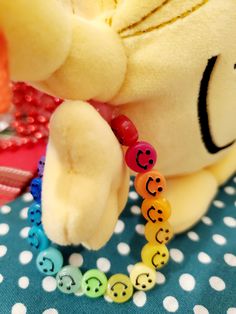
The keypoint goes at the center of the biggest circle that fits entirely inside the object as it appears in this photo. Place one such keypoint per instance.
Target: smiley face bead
(155, 255)
(41, 165)
(143, 277)
(69, 279)
(49, 261)
(120, 288)
(35, 214)
(94, 283)
(156, 210)
(150, 184)
(38, 239)
(141, 157)
(159, 233)
(36, 189)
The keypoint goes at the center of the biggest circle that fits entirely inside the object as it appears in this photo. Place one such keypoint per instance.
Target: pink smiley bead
(141, 157)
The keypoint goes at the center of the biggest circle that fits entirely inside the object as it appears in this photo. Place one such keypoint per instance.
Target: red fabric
(17, 168)
(24, 158)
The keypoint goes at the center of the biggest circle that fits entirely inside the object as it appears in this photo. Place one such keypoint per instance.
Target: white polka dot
(131, 183)
(123, 248)
(171, 304)
(133, 195)
(207, 221)
(3, 250)
(5, 209)
(103, 264)
(49, 284)
(230, 190)
(76, 260)
(160, 279)
(139, 229)
(24, 232)
(217, 283)
(120, 226)
(129, 268)
(176, 255)
(135, 210)
(187, 282)
(79, 293)
(230, 222)
(4, 229)
(24, 213)
(218, 203)
(50, 311)
(1, 278)
(18, 308)
(23, 282)
(219, 239)
(200, 309)
(139, 298)
(25, 257)
(230, 259)
(234, 179)
(204, 258)
(231, 310)
(193, 236)
(27, 197)
(107, 298)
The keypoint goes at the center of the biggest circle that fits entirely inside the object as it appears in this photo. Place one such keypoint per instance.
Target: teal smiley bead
(49, 261)
(94, 283)
(69, 279)
(35, 214)
(38, 239)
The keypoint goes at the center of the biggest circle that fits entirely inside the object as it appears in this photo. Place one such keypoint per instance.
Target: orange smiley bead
(156, 210)
(150, 184)
(159, 233)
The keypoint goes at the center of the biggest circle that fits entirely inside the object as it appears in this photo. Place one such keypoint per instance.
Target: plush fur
(168, 64)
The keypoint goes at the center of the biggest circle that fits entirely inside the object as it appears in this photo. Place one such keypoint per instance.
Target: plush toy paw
(86, 181)
(190, 196)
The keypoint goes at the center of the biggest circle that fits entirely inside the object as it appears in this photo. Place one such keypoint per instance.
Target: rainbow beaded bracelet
(149, 184)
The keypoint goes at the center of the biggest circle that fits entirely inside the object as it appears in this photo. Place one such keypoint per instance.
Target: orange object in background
(5, 96)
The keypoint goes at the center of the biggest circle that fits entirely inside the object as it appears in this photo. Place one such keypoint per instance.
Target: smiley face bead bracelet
(149, 184)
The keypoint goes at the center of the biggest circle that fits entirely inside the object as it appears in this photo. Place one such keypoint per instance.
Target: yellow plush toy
(168, 64)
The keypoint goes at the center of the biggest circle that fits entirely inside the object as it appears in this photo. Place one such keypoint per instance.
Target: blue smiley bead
(36, 189)
(49, 261)
(69, 279)
(35, 214)
(38, 239)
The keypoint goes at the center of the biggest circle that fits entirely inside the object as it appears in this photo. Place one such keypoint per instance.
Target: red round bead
(124, 130)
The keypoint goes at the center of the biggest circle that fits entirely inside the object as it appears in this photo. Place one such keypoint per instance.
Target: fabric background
(200, 277)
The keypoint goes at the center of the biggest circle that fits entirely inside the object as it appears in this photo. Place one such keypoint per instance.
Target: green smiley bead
(119, 288)
(94, 283)
(69, 279)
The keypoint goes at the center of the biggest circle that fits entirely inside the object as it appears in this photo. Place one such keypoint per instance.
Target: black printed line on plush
(203, 115)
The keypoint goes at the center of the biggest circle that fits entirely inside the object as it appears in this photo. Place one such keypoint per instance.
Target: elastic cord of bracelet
(150, 185)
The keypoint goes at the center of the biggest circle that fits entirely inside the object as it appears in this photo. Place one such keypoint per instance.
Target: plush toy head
(174, 59)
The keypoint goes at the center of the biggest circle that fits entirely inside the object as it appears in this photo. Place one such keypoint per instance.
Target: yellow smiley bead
(155, 255)
(119, 288)
(159, 233)
(143, 277)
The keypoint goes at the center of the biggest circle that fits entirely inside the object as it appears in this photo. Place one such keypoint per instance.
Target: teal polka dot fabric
(200, 277)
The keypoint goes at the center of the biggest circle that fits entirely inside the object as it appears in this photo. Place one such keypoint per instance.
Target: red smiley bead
(141, 157)
(124, 130)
